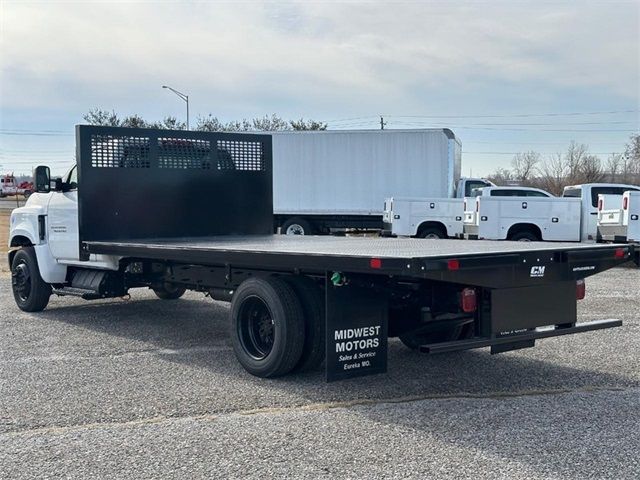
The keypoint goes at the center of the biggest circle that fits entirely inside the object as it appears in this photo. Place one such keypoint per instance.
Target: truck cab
(588, 194)
(49, 222)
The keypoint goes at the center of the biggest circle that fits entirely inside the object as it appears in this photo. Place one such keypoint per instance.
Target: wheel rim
(295, 229)
(21, 281)
(525, 240)
(256, 328)
(432, 236)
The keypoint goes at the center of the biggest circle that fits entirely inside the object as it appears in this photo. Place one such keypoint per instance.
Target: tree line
(209, 123)
(575, 166)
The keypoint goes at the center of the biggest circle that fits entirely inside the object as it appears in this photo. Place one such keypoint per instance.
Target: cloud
(66, 54)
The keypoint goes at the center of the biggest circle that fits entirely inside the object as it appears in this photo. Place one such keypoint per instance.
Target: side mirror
(42, 177)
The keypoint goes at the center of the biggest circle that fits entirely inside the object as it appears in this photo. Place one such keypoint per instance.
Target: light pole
(183, 97)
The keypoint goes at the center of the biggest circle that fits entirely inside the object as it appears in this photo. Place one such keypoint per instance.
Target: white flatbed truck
(111, 225)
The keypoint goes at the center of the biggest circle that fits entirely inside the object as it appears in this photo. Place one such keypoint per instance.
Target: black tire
(30, 291)
(169, 291)
(267, 327)
(297, 226)
(312, 302)
(431, 232)
(524, 236)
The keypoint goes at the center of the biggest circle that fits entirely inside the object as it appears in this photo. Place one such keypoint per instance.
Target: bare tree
(502, 176)
(524, 166)
(554, 174)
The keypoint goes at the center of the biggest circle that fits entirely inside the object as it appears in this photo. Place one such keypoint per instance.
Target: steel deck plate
(367, 247)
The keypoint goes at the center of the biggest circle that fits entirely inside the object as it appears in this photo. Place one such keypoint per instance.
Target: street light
(183, 97)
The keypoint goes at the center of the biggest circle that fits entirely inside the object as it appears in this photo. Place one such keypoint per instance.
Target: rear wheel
(268, 327)
(524, 236)
(169, 291)
(297, 226)
(432, 232)
(30, 291)
(312, 302)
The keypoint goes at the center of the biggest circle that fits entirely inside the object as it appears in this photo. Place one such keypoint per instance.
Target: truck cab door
(62, 220)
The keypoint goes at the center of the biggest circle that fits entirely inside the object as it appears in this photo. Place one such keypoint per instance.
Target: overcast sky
(492, 71)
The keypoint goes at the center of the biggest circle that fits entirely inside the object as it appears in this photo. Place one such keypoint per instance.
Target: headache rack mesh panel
(182, 153)
(111, 151)
(243, 155)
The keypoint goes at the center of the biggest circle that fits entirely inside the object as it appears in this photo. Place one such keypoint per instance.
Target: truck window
(533, 193)
(473, 185)
(572, 193)
(595, 191)
(507, 193)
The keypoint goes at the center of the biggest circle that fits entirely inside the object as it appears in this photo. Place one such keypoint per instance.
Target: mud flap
(356, 333)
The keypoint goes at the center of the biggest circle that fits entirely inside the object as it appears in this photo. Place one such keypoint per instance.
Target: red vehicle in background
(9, 187)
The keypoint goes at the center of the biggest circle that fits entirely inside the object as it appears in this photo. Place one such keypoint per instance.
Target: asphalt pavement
(147, 388)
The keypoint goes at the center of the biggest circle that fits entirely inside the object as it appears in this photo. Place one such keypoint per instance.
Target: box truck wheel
(168, 291)
(312, 301)
(297, 226)
(267, 326)
(29, 290)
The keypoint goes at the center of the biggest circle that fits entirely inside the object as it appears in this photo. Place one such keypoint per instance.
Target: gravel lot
(151, 389)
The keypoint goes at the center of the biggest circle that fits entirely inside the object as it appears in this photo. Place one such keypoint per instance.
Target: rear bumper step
(520, 340)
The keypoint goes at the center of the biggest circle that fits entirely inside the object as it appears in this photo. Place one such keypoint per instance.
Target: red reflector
(600, 202)
(625, 203)
(581, 289)
(453, 264)
(375, 263)
(468, 300)
(620, 253)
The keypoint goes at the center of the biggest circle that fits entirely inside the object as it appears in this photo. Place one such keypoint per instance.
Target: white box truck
(326, 180)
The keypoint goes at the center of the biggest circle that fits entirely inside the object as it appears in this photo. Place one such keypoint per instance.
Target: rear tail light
(625, 203)
(619, 253)
(468, 300)
(581, 289)
(600, 202)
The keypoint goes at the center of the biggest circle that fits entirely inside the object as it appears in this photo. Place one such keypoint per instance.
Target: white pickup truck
(429, 217)
(571, 218)
(622, 223)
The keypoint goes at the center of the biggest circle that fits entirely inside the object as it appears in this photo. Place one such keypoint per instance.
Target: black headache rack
(201, 203)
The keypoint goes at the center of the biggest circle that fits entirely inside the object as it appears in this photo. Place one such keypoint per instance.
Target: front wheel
(267, 327)
(30, 291)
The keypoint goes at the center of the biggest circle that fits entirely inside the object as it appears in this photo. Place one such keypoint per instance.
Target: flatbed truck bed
(145, 217)
(407, 256)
